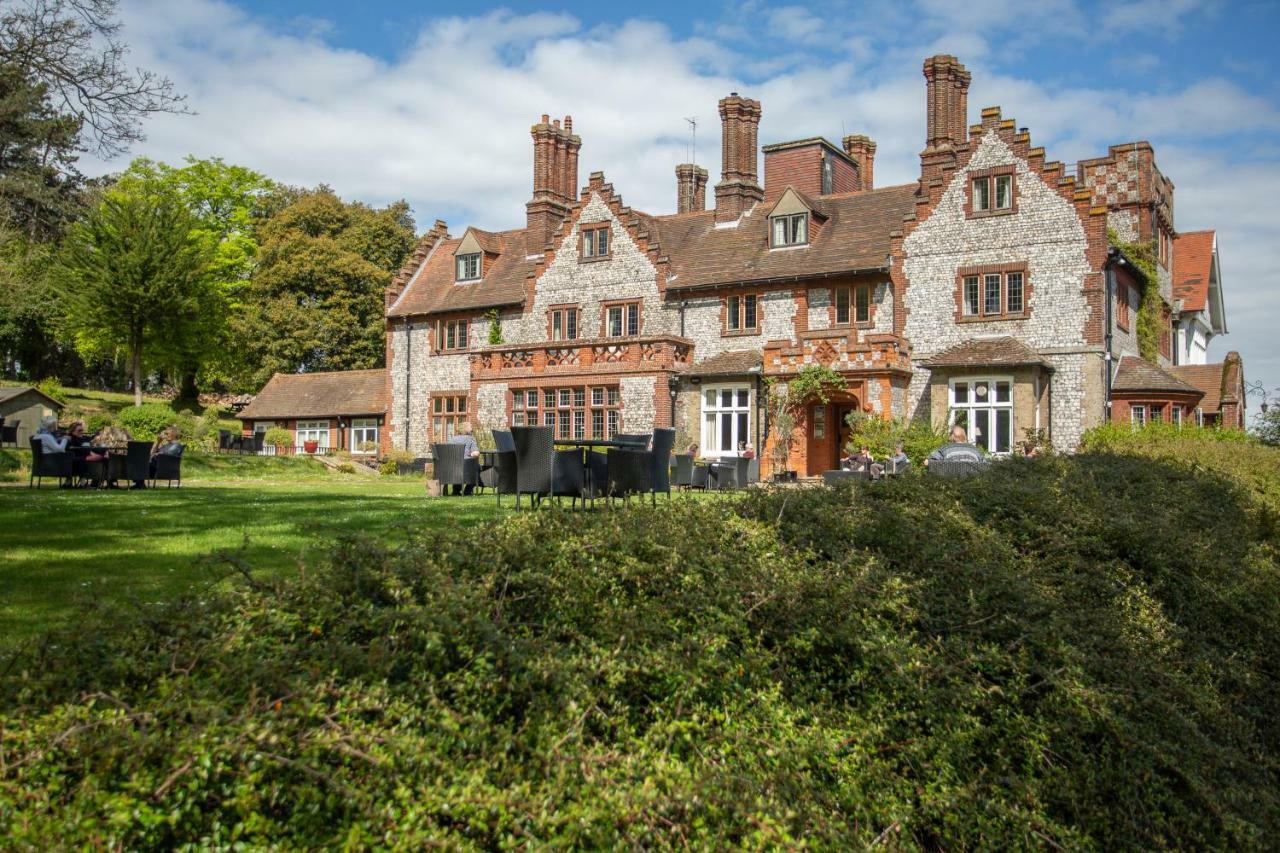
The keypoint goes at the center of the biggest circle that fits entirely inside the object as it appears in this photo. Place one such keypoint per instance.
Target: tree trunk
(188, 389)
(136, 368)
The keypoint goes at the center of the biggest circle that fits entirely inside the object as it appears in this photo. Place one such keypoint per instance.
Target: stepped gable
(320, 395)
(432, 288)
(855, 235)
(1192, 268)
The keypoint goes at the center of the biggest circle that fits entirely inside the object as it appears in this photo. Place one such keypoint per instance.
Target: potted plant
(310, 445)
(279, 438)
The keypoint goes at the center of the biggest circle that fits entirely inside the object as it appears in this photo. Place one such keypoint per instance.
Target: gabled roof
(320, 395)
(432, 288)
(987, 352)
(1192, 268)
(18, 390)
(854, 238)
(1137, 374)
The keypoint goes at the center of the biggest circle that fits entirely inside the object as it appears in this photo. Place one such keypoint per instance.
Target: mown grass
(67, 549)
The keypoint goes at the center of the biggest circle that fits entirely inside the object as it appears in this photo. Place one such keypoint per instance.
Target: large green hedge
(1064, 652)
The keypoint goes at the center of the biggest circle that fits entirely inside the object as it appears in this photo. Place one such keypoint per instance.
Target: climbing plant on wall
(816, 383)
(1143, 256)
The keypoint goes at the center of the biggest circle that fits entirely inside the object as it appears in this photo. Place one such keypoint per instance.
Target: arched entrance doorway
(827, 432)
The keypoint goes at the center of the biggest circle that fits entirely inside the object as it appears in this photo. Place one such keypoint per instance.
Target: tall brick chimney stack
(555, 178)
(947, 102)
(862, 151)
(691, 188)
(739, 186)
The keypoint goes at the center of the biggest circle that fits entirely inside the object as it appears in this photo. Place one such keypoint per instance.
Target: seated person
(167, 444)
(76, 436)
(960, 449)
(470, 453)
(899, 458)
(80, 462)
(49, 442)
(864, 461)
(692, 450)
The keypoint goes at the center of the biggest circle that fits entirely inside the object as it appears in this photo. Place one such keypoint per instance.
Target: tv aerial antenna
(693, 138)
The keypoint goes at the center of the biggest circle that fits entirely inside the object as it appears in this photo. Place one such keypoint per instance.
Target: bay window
(984, 407)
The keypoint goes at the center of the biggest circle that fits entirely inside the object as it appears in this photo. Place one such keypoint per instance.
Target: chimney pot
(739, 186)
(691, 188)
(862, 150)
(947, 101)
(568, 123)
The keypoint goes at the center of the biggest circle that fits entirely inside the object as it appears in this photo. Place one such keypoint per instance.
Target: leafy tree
(1266, 423)
(39, 184)
(315, 300)
(136, 276)
(73, 47)
(225, 201)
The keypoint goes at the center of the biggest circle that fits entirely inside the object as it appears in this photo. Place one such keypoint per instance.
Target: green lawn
(66, 549)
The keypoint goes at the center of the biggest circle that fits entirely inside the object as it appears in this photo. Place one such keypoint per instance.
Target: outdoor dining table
(588, 444)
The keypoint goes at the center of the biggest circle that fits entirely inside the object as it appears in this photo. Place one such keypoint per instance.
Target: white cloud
(445, 123)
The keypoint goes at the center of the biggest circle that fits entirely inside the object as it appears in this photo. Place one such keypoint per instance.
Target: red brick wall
(801, 168)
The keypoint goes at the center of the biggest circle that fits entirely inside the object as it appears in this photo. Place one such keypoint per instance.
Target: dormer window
(790, 230)
(595, 242)
(468, 267)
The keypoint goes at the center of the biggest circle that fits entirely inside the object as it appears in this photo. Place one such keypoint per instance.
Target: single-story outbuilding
(25, 405)
(342, 410)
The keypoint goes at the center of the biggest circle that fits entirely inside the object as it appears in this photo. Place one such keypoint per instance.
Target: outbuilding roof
(1137, 374)
(12, 391)
(987, 352)
(320, 395)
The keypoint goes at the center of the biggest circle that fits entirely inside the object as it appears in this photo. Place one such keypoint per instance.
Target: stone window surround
(621, 303)
(1002, 269)
(725, 331)
(438, 337)
(585, 229)
(565, 307)
(853, 322)
(990, 173)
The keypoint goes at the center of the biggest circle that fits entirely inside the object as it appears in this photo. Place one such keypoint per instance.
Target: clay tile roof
(855, 236)
(319, 395)
(732, 363)
(1138, 374)
(1218, 381)
(432, 288)
(983, 352)
(1192, 262)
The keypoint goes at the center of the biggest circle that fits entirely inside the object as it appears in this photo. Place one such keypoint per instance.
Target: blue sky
(384, 100)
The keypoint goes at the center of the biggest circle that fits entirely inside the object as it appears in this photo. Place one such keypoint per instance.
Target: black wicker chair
(167, 467)
(569, 476)
(137, 464)
(504, 469)
(841, 477)
(224, 440)
(660, 462)
(503, 441)
(956, 468)
(48, 464)
(682, 473)
(724, 475)
(9, 433)
(450, 469)
(628, 473)
(639, 439)
(534, 455)
(743, 472)
(701, 477)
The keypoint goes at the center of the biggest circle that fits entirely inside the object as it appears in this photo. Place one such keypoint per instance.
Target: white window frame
(260, 428)
(369, 431)
(315, 430)
(1138, 416)
(716, 415)
(1175, 415)
(464, 271)
(973, 404)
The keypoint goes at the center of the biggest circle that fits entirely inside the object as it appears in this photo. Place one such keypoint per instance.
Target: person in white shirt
(49, 442)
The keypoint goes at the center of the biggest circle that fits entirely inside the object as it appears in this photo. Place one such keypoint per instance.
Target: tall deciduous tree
(315, 301)
(136, 276)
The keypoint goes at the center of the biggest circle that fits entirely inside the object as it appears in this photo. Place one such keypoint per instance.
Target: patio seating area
(131, 465)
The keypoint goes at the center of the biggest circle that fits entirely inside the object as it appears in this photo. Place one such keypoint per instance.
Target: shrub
(95, 422)
(145, 422)
(1040, 656)
(917, 435)
(346, 468)
(277, 437)
(51, 387)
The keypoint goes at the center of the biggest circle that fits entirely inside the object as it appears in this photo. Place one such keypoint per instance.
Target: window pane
(1004, 191)
(731, 313)
(744, 397)
(588, 244)
(462, 334)
(556, 329)
(603, 235)
(726, 431)
(517, 400)
(579, 397)
(562, 430)
(980, 434)
(448, 404)
(981, 392)
(1157, 414)
(741, 436)
(1002, 392)
(449, 341)
(960, 417)
(597, 424)
(780, 231)
(549, 419)
(579, 424)
(961, 394)
(633, 319)
(863, 304)
(971, 295)
(597, 396)
(842, 304)
(800, 228)
(711, 398)
(981, 194)
(726, 399)
(438, 403)
(1004, 430)
(991, 303)
(517, 418)
(1013, 283)
(615, 321)
(462, 404)
(613, 396)
(571, 323)
(549, 399)
(564, 398)
(709, 439)
(613, 423)
(532, 399)
(749, 312)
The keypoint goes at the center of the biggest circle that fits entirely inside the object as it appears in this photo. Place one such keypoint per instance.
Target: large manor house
(995, 290)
